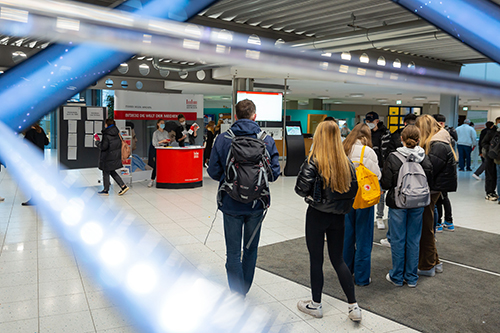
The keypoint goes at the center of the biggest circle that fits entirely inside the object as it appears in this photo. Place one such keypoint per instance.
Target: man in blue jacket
(240, 219)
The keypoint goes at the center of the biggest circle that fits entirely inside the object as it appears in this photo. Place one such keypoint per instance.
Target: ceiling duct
(178, 68)
(390, 35)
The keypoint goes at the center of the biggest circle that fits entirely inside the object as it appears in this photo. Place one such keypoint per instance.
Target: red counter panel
(179, 167)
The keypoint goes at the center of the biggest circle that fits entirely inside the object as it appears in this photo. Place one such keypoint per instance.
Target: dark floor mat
(458, 300)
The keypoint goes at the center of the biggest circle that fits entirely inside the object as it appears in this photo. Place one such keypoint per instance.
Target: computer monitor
(269, 106)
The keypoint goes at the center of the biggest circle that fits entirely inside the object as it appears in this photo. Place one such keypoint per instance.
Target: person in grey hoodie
(406, 224)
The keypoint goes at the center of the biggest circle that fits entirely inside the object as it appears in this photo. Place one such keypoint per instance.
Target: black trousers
(317, 225)
(481, 168)
(116, 177)
(490, 181)
(444, 201)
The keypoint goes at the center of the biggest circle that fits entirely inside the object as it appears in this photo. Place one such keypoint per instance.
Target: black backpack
(494, 151)
(248, 169)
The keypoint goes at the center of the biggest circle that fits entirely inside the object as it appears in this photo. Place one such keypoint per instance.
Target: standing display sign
(295, 148)
(77, 126)
(133, 105)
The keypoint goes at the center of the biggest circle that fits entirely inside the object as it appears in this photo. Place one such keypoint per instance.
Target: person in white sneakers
(327, 181)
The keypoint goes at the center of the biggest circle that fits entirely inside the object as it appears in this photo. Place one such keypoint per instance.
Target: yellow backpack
(368, 186)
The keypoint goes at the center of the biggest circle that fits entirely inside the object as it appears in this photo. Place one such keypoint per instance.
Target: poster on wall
(133, 105)
(479, 118)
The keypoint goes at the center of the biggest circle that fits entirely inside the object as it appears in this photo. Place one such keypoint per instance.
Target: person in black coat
(395, 141)
(327, 181)
(110, 157)
(436, 142)
(209, 142)
(36, 135)
(180, 132)
(490, 182)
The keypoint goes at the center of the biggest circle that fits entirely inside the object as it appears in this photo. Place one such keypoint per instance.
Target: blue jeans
(358, 243)
(464, 156)
(240, 271)
(406, 229)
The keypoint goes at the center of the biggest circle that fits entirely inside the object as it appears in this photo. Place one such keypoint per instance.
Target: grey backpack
(412, 189)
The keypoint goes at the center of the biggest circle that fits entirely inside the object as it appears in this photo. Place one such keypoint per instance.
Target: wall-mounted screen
(269, 106)
(293, 130)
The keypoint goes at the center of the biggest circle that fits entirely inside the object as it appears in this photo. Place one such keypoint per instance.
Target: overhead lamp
(323, 97)
(433, 102)
(357, 95)
(337, 102)
(225, 97)
(494, 104)
(420, 98)
(474, 100)
(382, 100)
(384, 104)
(345, 56)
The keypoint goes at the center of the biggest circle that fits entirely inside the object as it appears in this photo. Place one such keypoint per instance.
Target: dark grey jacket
(110, 157)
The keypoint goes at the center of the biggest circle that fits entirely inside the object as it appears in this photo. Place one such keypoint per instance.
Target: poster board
(76, 127)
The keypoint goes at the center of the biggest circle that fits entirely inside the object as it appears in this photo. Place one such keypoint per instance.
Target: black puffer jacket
(390, 175)
(110, 157)
(444, 165)
(394, 143)
(381, 139)
(331, 202)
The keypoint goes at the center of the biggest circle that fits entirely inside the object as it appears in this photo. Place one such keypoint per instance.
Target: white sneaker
(2, 199)
(310, 309)
(476, 176)
(354, 312)
(380, 224)
(385, 242)
(151, 183)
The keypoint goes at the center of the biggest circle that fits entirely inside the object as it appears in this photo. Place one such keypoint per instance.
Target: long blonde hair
(328, 155)
(360, 132)
(428, 127)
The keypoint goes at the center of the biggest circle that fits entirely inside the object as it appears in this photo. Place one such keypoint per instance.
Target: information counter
(179, 167)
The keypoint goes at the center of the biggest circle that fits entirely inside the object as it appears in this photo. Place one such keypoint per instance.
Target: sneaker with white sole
(388, 278)
(380, 224)
(151, 183)
(430, 272)
(123, 190)
(311, 308)
(385, 242)
(354, 312)
(448, 226)
(491, 197)
(476, 177)
(439, 227)
(439, 268)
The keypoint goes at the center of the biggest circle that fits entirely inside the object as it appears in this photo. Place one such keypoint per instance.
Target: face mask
(498, 125)
(183, 123)
(371, 125)
(162, 126)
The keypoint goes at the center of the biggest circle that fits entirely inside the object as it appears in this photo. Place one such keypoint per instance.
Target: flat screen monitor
(269, 106)
(293, 130)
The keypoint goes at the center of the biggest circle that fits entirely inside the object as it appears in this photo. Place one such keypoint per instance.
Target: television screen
(269, 106)
(293, 130)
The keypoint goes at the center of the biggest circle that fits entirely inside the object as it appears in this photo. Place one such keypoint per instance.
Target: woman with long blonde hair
(359, 223)
(436, 141)
(327, 181)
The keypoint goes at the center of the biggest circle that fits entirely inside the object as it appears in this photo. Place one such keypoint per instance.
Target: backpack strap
(362, 155)
(230, 134)
(400, 156)
(261, 135)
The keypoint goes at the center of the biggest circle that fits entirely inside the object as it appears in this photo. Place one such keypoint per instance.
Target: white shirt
(467, 135)
(370, 159)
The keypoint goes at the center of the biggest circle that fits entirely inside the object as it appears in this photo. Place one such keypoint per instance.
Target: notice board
(77, 125)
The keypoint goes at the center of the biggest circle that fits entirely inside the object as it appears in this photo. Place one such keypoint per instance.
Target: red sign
(151, 115)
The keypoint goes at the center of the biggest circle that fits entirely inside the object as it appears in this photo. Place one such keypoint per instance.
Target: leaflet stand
(295, 148)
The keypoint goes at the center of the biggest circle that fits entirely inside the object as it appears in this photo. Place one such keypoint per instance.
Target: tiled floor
(43, 289)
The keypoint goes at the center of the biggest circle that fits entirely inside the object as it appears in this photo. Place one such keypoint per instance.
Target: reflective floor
(44, 289)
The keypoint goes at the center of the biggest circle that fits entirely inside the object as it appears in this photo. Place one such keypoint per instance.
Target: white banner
(143, 105)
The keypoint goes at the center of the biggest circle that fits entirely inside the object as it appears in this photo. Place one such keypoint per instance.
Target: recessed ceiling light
(323, 97)
(357, 95)
(337, 102)
(384, 104)
(420, 98)
(225, 97)
(474, 100)
(494, 104)
(433, 102)
(382, 100)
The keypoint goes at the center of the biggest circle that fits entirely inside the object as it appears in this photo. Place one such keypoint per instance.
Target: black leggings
(317, 225)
